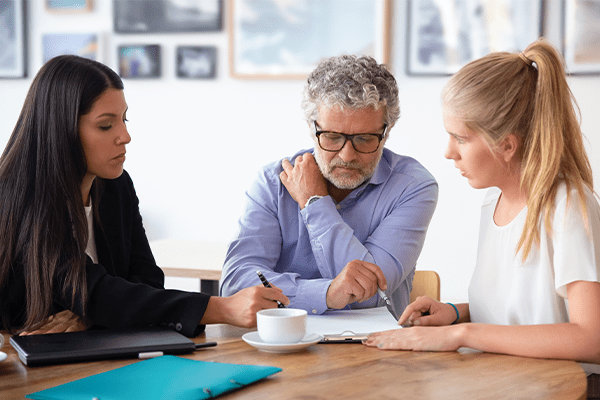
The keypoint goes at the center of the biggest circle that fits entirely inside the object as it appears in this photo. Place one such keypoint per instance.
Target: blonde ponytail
(554, 148)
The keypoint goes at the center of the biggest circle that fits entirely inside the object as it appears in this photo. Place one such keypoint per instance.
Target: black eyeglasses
(363, 142)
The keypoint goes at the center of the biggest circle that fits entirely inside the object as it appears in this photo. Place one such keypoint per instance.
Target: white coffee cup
(281, 325)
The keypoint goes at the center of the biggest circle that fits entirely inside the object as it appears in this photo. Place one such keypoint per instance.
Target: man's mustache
(337, 163)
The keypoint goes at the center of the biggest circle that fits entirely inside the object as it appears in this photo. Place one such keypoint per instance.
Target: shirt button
(314, 311)
(178, 327)
(338, 206)
(307, 226)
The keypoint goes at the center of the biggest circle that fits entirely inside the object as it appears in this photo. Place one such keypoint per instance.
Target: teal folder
(166, 377)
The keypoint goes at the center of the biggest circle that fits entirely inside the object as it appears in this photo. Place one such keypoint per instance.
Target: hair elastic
(525, 59)
(457, 314)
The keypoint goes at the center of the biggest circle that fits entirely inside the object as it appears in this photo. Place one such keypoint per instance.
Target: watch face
(313, 199)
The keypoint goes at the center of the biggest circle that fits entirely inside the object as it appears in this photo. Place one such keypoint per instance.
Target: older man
(339, 220)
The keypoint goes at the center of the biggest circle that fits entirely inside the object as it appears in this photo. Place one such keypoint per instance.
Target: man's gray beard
(343, 182)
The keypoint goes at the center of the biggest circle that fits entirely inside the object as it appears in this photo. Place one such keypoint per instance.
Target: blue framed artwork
(69, 5)
(13, 43)
(81, 44)
(275, 39)
(139, 61)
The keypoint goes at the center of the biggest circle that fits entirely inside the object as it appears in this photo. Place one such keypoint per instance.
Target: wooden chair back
(425, 283)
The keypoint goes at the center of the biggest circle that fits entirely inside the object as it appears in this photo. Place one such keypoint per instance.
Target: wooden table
(345, 371)
(191, 259)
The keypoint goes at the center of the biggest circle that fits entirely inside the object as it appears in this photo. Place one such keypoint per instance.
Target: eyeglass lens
(362, 143)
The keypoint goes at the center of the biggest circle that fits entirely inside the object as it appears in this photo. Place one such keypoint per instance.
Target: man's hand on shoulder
(358, 281)
(303, 179)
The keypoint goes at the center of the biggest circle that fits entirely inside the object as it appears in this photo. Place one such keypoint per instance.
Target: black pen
(198, 346)
(266, 283)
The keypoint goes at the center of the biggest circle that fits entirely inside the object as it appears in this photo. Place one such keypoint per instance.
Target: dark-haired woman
(73, 250)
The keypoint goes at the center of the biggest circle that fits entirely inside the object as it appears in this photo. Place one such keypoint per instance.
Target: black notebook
(58, 348)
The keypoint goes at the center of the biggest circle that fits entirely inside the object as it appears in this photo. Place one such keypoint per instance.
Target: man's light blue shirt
(383, 221)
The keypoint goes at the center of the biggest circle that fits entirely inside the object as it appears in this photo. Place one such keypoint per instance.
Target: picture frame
(474, 29)
(82, 44)
(581, 36)
(167, 16)
(69, 6)
(140, 61)
(286, 40)
(13, 39)
(197, 62)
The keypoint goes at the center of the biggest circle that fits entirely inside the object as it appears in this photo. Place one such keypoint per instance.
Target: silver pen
(388, 303)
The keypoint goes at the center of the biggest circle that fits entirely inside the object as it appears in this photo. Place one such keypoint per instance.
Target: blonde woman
(535, 291)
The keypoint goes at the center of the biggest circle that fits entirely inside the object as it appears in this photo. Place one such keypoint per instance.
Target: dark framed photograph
(197, 62)
(150, 16)
(81, 44)
(139, 61)
(272, 39)
(581, 32)
(13, 39)
(69, 6)
(444, 36)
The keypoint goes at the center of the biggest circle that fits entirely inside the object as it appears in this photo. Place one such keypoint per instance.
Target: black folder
(91, 345)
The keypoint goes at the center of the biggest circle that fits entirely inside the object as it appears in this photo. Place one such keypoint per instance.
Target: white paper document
(364, 320)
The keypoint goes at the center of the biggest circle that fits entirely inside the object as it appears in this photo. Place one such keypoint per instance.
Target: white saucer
(254, 340)
(2, 356)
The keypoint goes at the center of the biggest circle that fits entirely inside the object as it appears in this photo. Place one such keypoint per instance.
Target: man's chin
(346, 184)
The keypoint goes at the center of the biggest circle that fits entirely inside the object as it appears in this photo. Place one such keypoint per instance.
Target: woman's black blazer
(125, 289)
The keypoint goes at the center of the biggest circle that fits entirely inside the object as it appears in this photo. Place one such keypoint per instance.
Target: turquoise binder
(166, 377)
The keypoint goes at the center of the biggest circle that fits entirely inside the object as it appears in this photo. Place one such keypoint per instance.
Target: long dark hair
(43, 228)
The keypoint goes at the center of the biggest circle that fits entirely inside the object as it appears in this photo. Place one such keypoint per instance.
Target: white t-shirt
(90, 250)
(506, 291)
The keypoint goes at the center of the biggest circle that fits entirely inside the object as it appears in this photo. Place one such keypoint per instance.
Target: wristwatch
(311, 200)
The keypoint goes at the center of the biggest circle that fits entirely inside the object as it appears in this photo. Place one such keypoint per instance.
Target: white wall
(197, 145)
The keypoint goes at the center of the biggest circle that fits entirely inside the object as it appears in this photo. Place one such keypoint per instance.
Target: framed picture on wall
(13, 43)
(68, 6)
(196, 62)
(581, 31)
(139, 61)
(150, 16)
(81, 44)
(273, 39)
(443, 36)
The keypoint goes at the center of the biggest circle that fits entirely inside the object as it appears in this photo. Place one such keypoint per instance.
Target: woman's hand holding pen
(240, 309)
(425, 311)
(432, 328)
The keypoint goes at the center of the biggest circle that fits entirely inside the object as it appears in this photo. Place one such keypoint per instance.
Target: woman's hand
(64, 321)
(444, 338)
(240, 309)
(425, 311)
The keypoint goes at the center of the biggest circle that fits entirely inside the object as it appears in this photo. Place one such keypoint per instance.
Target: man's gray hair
(351, 82)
